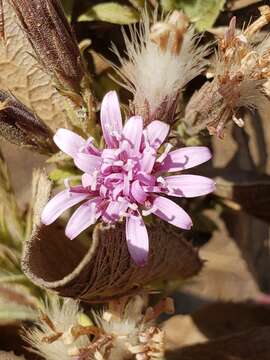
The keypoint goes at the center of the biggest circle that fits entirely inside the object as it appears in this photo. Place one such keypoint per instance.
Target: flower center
(129, 179)
(122, 178)
(117, 174)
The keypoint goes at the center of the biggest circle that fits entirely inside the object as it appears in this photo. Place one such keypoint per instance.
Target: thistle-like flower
(240, 71)
(161, 60)
(124, 180)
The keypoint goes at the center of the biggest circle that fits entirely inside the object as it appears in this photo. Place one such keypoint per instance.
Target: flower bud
(22, 127)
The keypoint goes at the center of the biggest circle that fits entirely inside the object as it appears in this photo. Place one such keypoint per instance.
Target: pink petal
(117, 190)
(132, 134)
(103, 191)
(126, 185)
(111, 120)
(156, 133)
(90, 148)
(137, 239)
(87, 163)
(189, 185)
(69, 142)
(109, 154)
(185, 158)
(87, 180)
(137, 192)
(106, 169)
(171, 212)
(85, 216)
(79, 189)
(113, 179)
(146, 179)
(147, 161)
(59, 204)
(155, 189)
(114, 211)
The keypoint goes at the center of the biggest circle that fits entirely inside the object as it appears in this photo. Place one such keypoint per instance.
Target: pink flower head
(125, 179)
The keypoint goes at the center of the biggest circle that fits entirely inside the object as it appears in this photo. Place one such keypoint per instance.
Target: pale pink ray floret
(125, 180)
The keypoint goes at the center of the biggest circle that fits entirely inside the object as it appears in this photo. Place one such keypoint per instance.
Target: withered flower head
(22, 127)
(52, 39)
(130, 325)
(161, 60)
(240, 72)
(125, 330)
(49, 338)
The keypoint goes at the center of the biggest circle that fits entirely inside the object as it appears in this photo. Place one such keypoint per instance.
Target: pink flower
(125, 179)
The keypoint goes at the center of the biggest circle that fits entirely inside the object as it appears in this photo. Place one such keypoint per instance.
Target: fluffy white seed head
(154, 72)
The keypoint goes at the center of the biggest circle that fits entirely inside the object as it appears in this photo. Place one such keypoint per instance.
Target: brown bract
(105, 270)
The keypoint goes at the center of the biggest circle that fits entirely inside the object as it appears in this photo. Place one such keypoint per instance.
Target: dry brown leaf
(249, 191)
(21, 164)
(9, 356)
(247, 150)
(21, 74)
(239, 4)
(213, 321)
(224, 318)
(248, 345)
(180, 330)
(225, 275)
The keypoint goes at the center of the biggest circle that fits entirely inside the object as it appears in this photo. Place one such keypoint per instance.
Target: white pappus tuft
(49, 337)
(161, 60)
